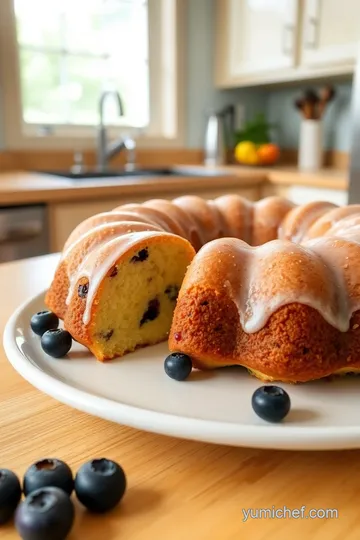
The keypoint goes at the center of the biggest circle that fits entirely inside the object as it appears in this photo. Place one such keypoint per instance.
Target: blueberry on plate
(100, 485)
(10, 494)
(271, 403)
(42, 321)
(48, 472)
(56, 343)
(46, 514)
(178, 366)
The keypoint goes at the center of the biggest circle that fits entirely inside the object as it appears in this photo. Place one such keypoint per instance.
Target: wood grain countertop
(327, 178)
(26, 188)
(176, 489)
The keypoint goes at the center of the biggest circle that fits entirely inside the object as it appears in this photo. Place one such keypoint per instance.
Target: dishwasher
(23, 232)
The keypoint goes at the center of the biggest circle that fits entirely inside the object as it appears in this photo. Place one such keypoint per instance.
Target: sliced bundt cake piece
(123, 294)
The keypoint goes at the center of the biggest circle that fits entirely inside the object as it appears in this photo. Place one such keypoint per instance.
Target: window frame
(166, 67)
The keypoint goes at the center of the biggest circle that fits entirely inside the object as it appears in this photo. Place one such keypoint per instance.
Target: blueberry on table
(271, 403)
(43, 321)
(46, 514)
(178, 366)
(10, 494)
(48, 473)
(100, 485)
(56, 343)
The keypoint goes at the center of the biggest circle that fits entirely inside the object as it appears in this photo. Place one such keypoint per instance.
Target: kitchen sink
(163, 171)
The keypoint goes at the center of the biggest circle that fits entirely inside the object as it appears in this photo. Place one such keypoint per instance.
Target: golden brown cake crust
(281, 309)
(295, 345)
(56, 296)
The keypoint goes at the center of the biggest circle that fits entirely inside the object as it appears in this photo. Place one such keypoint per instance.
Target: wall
(200, 92)
(337, 121)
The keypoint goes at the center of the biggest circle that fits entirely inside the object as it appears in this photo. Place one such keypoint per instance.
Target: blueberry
(10, 494)
(42, 321)
(100, 485)
(56, 343)
(46, 514)
(271, 403)
(178, 366)
(48, 473)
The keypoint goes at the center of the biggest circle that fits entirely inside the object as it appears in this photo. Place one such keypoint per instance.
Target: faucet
(106, 151)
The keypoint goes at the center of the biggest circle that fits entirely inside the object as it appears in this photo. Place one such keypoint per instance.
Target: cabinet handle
(311, 33)
(288, 39)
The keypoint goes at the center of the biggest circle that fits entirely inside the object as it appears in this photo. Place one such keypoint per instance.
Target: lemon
(246, 152)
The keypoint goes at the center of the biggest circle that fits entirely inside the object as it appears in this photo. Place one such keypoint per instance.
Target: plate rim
(263, 435)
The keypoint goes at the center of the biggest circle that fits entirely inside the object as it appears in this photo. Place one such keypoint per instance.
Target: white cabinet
(262, 35)
(331, 32)
(272, 41)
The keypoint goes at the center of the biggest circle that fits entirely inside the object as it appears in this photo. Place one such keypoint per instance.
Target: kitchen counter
(176, 489)
(25, 187)
(327, 178)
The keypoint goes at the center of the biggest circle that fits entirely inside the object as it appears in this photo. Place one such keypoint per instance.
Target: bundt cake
(274, 287)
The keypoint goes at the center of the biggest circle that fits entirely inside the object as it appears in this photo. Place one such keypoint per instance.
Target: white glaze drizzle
(104, 227)
(309, 214)
(260, 282)
(258, 285)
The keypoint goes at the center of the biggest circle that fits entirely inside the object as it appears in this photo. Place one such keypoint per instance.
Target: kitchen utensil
(312, 105)
(326, 95)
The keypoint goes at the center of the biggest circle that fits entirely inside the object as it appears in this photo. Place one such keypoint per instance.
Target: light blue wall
(337, 120)
(201, 94)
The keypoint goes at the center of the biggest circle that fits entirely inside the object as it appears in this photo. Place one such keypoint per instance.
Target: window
(57, 56)
(72, 50)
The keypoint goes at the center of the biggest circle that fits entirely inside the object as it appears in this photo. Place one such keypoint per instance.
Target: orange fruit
(268, 154)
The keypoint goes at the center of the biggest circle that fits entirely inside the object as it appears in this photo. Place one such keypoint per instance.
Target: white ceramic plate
(212, 407)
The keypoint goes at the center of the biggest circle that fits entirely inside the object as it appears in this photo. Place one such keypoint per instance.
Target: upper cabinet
(248, 23)
(269, 41)
(331, 32)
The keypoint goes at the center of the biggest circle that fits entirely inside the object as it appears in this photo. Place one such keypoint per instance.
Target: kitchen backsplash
(337, 121)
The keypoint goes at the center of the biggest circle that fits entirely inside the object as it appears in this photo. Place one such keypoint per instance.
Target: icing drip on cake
(259, 279)
(99, 262)
(262, 279)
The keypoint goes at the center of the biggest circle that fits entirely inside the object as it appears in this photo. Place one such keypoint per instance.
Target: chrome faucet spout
(103, 152)
(103, 98)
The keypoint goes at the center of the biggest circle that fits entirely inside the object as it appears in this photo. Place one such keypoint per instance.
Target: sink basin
(163, 171)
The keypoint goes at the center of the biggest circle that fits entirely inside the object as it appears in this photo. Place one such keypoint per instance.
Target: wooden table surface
(177, 489)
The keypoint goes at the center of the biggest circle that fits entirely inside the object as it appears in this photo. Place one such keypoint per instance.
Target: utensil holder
(310, 145)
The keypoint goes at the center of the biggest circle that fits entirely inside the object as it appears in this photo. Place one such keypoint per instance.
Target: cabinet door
(261, 35)
(331, 32)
